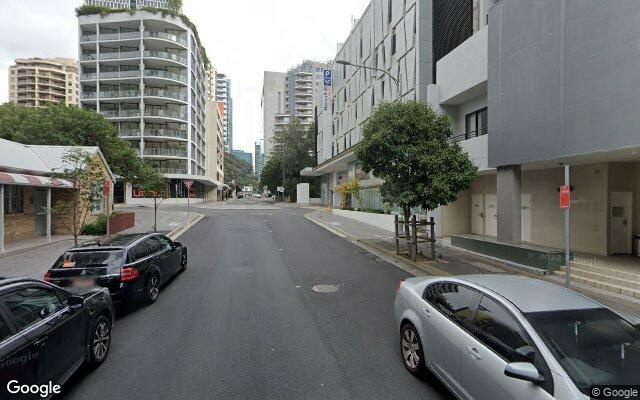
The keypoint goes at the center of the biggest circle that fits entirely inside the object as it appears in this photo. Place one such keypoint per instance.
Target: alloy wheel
(154, 287)
(410, 349)
(101, 338)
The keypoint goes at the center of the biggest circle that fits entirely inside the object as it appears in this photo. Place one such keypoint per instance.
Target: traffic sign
(188, 183)
(565, 197)
(280, 189)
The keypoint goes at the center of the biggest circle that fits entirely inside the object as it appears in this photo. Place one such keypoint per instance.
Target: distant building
(134, 4)
(244, 156)
(272, 103)
(223, 95)
(34, 82)
(258, 159)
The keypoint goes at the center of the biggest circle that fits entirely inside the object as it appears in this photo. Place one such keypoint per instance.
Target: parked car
(132, 266)
(513, 337)
(48, 332)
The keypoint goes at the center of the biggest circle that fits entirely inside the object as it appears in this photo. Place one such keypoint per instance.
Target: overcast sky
(243, 38)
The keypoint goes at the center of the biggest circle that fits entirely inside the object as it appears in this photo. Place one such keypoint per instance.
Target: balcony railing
(166, 55)
(119, 55)
(172, 133)
(172, 94)
(154, 73)
(159, 151)
(130, 132)
(120, 36)
(174, 171)
(165, 36)
(88, 38)
(468, 135)
(89, 75)
(120, 113)
(110, 94)
(151, 112)
(119, 74)
(88, 57)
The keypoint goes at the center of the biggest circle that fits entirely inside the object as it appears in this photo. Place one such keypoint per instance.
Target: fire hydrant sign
(565, 197)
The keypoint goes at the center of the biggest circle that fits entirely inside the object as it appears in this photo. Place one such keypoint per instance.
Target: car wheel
(411, 349)
(100, 341)
(152, 288)
(183, 260)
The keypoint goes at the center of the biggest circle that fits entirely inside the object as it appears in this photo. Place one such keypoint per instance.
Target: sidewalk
(168, 220)
(450, 261)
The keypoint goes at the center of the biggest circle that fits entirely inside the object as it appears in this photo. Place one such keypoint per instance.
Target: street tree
(407, 145)
(155, 186)
(271, 175)
(237, 170)
(84, 171)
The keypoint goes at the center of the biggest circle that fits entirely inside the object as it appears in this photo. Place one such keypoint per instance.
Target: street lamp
(393, 78)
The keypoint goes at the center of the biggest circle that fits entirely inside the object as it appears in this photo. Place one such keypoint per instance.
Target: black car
(47, 333)
(131, 266)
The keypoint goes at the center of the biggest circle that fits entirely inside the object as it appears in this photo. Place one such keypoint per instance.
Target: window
(393, 41)
(373, 96)
(499, 330)
(360, 45)
(430, 292)
(476, 123)
(138, 252)
(382, 90)
(154, 244)
(455, 301)
(165, 242)
(12, 199)
(389, 11)
(28, 306)
(5, 332)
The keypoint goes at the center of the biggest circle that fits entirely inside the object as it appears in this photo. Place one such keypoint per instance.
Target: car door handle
(474, 352)
(426, 311)
(41, 341)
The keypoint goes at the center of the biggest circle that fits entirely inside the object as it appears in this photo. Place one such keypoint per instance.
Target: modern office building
(145, 73)
(244, 156)
(34, 82)
(272, 103)
(223, 95)
(129, 4)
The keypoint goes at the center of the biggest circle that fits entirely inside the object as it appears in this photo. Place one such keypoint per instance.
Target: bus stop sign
(565, 197)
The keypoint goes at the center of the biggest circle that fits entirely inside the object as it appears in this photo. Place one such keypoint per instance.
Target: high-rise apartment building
(215, 150)
(145, 73)
(258, 158)
(132, 4)
(272, 103)
(223, 95)
(34, 82)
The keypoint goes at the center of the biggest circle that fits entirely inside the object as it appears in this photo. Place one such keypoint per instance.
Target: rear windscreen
(85, 259)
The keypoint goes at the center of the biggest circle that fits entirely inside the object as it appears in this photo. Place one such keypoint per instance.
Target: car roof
(530, 294)
(112, 241)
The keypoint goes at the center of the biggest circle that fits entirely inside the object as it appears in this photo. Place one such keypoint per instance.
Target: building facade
(129, 4)
(272, 103)
(223, 96)
(146, 74)
(215, 151)
(34, 82)
(258, 158)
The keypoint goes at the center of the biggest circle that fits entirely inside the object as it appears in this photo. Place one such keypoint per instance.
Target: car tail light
(399, 286)
(129, 274)
(47, 276)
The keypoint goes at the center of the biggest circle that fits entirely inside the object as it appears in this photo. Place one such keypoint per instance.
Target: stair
(616, 281)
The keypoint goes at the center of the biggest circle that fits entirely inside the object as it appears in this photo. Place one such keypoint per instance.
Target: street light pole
(396, 80)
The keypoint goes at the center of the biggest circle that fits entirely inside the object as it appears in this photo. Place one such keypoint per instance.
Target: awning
(33, 180)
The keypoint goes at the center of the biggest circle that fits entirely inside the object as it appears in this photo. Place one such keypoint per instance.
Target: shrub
(99, 227)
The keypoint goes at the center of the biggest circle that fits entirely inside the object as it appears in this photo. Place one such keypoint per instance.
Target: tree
(175, 5)
(407, 145)
(237, 170)
(271, 175)
(155, 186)
(84, 171)
(70, 126)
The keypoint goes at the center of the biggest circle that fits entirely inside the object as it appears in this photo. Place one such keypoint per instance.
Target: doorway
(491, 215)
(621, 222)
(477, 214)
(40, 211)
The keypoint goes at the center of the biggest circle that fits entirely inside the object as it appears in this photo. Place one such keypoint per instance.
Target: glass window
(139, 251)
(154, 245)
(28, 306)
(430, 292)
(83, 259)
(166, 243)
(498, 329)
(476, 123)
(595, 346)
(12, 199)
(5, 332)
(455, 301)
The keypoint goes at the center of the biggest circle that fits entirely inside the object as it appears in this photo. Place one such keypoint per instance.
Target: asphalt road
(244, 322)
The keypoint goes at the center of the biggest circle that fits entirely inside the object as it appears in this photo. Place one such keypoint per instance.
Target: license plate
(83, 282)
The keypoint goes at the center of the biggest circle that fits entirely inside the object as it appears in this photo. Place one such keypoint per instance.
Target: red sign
(188, 184)
(565, 197)
(106, 187)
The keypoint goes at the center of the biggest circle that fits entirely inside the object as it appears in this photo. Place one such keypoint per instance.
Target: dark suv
(131, 266)
(47, 332)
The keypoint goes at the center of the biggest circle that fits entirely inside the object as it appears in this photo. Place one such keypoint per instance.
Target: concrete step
(603, 282)
(608, 276)
(627, 275)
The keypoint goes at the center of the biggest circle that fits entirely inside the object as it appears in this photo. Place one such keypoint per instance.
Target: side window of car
(498, 329)
(139, 251)
(153, 244)
(455, 301)
(430, 293)
(5, 332)
(30, 305)
(165, 242)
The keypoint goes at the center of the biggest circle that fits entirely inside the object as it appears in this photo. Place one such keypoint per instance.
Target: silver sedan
(513, 337)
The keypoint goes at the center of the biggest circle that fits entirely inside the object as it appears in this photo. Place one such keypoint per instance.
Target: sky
(243, 38)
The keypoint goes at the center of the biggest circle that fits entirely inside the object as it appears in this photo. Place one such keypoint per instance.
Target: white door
(477, 214)
(525, 222)
(621, 212)
(490, 215)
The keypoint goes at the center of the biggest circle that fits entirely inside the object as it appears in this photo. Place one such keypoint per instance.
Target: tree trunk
(407, 232)
(155, 215)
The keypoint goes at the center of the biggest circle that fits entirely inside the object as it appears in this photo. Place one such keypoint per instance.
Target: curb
(174, 234)
(392, 258)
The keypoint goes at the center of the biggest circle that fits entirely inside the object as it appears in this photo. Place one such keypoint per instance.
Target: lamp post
(393, 78)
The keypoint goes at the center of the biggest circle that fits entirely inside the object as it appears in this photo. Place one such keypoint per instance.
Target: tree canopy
(271, 175)
(407, 145)
(70, 126)
(237, 170)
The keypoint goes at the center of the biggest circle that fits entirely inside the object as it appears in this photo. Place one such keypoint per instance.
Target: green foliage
(271, 175)
(88, 9)
(237, 170)
(97, 228)
(348, 189)
(175, 5)
(70, 126)
(406, 144)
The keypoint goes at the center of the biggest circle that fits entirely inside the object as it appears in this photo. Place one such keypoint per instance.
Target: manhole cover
(325, 288)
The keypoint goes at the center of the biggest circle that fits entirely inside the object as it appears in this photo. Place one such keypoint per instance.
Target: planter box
(384, 221)
(121, 221)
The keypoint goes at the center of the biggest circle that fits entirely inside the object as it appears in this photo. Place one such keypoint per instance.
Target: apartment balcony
(120, 74)
(166, 133)
(165, 114)
(168, 94)
(172, 171)
(88, 38)
(120, 113)
(152, 73)
(119, 36)
(88, 57)
(88, 76)
(304, 73)
(166, 56)
(164, 152)
(119, 55)
(130, 133)
(117, 94)
(165, 36)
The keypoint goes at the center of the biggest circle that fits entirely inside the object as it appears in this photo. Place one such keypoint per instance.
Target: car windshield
(84, 259)
(595, 346)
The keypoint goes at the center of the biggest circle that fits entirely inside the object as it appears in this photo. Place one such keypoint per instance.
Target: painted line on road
(174, 234)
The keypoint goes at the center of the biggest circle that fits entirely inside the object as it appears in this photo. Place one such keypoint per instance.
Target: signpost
(565, 204)
(280, 190)
(188, 183)
(106, 188)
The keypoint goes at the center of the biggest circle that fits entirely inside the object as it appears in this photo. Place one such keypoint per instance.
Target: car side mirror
(524, 371)
(177, 244)
(75, 302)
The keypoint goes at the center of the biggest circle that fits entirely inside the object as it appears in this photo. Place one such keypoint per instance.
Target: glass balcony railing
(165, 113)
(119, 55)
(172, 94)
(120, 113)
(154, 73)
(88, 38)
(165, 36)
(166, 55)
(88, 95)
(120, 36)
(110, 94)
(89, 75)
(171, 133)
(130, 132)
(159, 151)
(88, 57)
(172, 171)
(119, 74)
